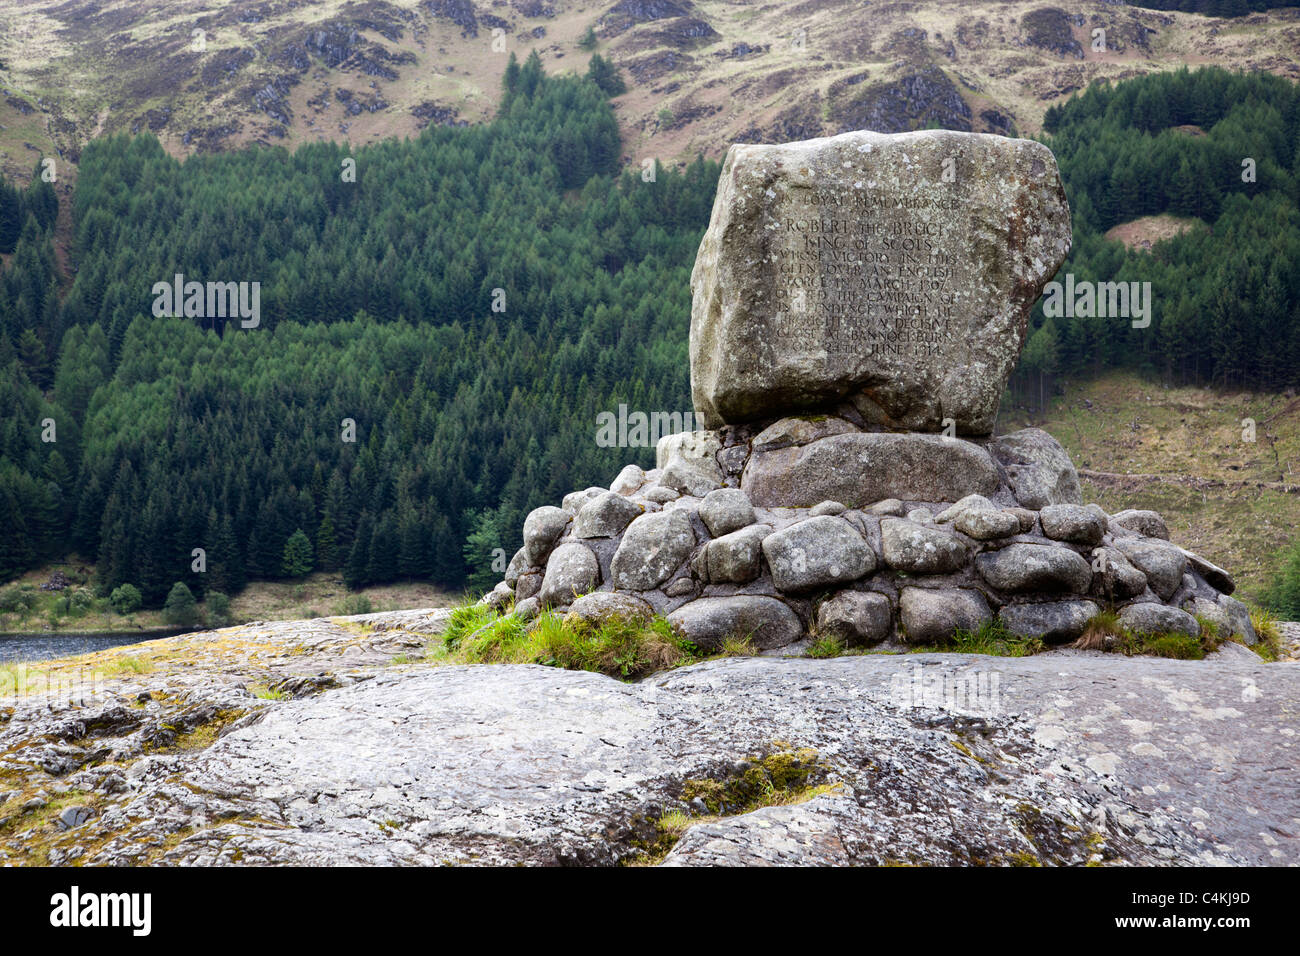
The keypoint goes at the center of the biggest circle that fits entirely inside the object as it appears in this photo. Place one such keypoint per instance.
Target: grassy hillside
(1180, 451)
(315, 595)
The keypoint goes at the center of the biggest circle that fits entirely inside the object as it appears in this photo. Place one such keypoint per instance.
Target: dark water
(42, 647)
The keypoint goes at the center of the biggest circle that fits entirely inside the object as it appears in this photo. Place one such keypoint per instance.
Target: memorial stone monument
(859, 302)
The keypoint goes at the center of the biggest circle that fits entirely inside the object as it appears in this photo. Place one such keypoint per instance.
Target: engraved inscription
(863, 274)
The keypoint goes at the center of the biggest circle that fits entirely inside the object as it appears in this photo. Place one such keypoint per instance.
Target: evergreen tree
(297, 560)
(180, 609)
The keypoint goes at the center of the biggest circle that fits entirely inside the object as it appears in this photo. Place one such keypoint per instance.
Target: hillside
(1179, 451)
(701, 73)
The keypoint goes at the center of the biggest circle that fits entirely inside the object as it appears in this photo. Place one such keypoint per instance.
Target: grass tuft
(1269, 645)
(992, 638)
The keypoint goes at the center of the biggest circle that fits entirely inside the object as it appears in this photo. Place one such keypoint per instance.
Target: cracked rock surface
(1068, 757)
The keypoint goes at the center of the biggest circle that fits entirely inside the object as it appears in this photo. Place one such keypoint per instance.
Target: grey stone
(1056, 622)
(574, 500)
(917, 549)
(1075, 523)
(1200, 607)
(1028, 518)
(1163, 563)
(528, 585)
(572, 570)
(598, 607)
(987, 525)
(920, 516)
(605, 516)
(690, 477)
(698, 448)
(499, 597)
(734, 558)
(890, 506)
(660, 495)
(930, 616)
(517, 566)
(629, 480)
(652, 549)
(827, 508)
(1214, 575)
(862, 467)
(766, 621)
(527, 609)
(1146, 523)
(1154, 618)
(817, 552)
(73, 817)
(1039, 469)
(799, 431)
(680, 587)
(1117, 580)
(764, 344)
(858, 617)
(970, 502)
(1035, 567)
(726, 510)
(1238, 619)
(542, 528)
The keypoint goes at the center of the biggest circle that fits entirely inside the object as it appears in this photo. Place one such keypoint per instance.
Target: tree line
(437, 339)
(440, 331)
(1221, 150)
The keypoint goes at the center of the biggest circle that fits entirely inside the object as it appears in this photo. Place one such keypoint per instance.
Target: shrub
(353, 604)
(14, 600)
(218, 606)
(126, 598)
(991, 637)
(1283, 593)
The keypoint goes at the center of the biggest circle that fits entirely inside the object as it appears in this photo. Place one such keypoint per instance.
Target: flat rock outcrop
(1069, 758)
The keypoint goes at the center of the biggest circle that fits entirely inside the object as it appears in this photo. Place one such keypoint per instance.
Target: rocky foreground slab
(315, 742)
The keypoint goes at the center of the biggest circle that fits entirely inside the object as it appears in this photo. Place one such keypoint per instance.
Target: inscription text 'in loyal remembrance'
(878, 286)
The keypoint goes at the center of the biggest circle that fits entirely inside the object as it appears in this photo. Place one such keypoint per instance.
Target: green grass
(782, 777)
(1105, 632)
(1269, 645)
(620, 647)
(991, 637)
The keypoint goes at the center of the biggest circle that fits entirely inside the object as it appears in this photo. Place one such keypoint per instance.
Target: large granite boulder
(764, 621)
(866, 467)
(1039, 469)
(571, 571)
(933, 616)
(817, 552)
(894, 271)
(653, 547)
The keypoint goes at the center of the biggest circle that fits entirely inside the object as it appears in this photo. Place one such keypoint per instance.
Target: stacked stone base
(818, 525)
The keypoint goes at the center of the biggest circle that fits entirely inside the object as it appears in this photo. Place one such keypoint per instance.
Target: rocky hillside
(701, 74)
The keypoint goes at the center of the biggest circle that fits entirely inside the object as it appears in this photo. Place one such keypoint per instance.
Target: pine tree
(180, 608)
(297, 560)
